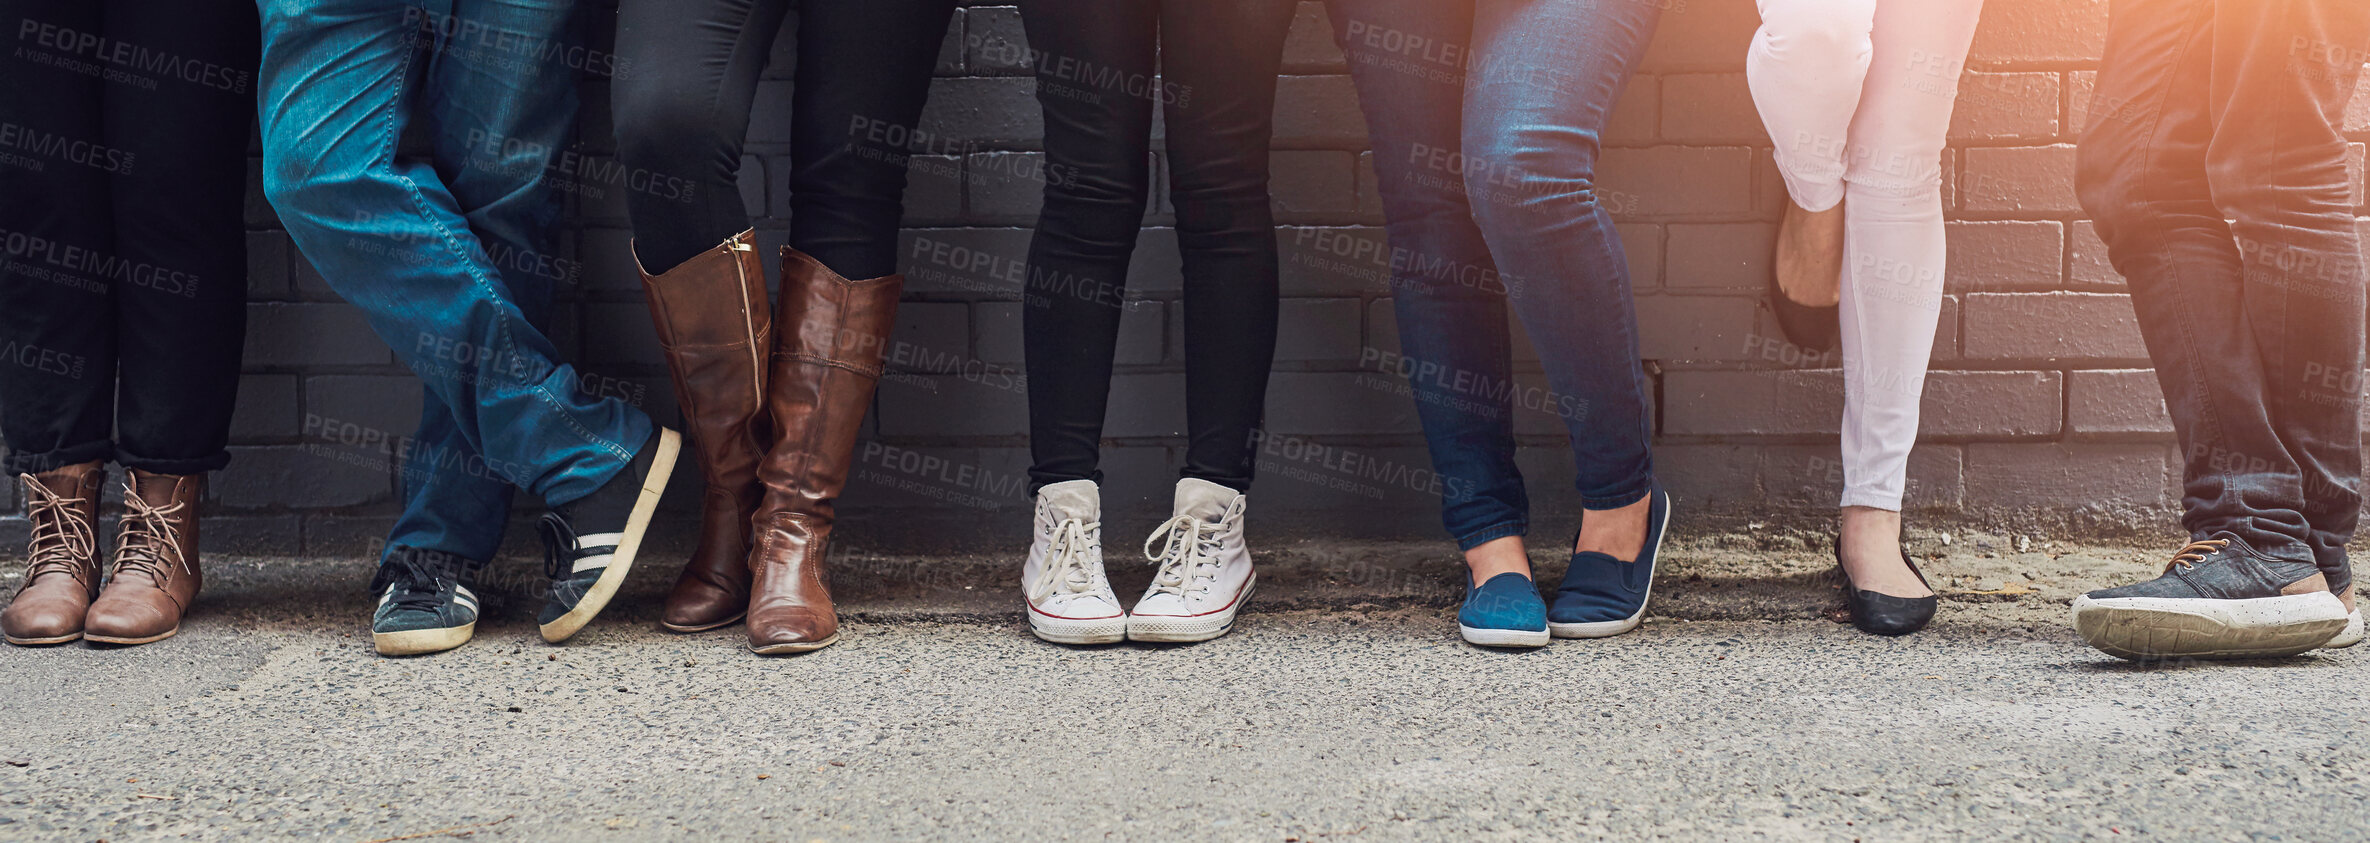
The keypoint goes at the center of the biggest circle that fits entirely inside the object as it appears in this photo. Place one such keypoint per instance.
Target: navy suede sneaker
(425, 603)
(1504, 612)
(2217, 599)
(1602, 596)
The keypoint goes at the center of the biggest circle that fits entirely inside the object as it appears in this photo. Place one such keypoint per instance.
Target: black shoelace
(420, 579)
(559, 546)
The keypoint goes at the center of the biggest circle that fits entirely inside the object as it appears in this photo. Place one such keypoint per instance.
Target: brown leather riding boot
(62, 563)
(830, 334)
(156, 561)
(712, 321)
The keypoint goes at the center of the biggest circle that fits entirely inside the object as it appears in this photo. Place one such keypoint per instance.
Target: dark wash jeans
(446, 249)
(1095, 62)
(1486, 117)
(123, 255)
(683, 95)
(2216, 173)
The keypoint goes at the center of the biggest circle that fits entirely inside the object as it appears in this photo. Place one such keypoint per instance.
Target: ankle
(1498, 556)
(1619, 532)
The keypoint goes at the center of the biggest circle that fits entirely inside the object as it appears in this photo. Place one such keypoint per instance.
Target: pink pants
(1857, 96)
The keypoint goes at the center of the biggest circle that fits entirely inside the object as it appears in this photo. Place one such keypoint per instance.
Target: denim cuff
(1619, 500)
(36, 462)
(1491, 533)
(179, 466)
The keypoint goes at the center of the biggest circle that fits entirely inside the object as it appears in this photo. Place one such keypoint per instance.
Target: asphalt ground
(1341, 708)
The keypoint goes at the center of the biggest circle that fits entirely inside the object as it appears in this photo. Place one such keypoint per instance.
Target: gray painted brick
(310, 335)
(2113, 401)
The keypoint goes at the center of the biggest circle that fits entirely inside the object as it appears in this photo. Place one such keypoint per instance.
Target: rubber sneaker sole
(1170, 629)
(1522, 638)
(414, 642)
(1061, 630)
(2352, 634)
(2151, 628)
(629, 543)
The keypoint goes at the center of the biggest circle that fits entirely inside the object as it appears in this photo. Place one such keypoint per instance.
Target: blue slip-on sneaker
(1504, 612)
(1602, 596)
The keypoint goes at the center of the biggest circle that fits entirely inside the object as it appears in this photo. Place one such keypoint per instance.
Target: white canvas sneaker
(1205, 571)
(1069, 600)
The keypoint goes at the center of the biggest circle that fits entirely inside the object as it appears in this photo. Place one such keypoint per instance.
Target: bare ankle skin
(1870, 542)
(1498, 556)
(1619, 533)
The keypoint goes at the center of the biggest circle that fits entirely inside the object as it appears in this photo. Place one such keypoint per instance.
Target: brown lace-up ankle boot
(62, 563)
(713, 323)
(156, 561)
(830, 336)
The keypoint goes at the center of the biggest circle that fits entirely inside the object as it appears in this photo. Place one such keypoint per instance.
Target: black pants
(1095, 63)
(682, 99)
(2215, 168)
(123, 182)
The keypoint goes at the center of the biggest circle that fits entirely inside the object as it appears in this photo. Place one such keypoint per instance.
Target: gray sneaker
(2217, 599)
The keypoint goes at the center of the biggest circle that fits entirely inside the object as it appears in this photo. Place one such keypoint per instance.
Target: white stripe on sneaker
(594, 562)
(590, 540)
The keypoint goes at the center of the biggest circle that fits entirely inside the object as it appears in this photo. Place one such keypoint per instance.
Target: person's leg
(1893, 267)
(182, 308)
(1546, 75)
(1806, 66)
(57, 320)
(2283, 71)
(2248, 583)
(57, 314)
(864, 73)
(1454, 348)
(336, 80)
(2141, 174)
(682, 101)
(181, 301)
(1094, 64)
(1219, 62)
(506, 101)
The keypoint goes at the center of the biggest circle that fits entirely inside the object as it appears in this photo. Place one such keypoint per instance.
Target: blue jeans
(446, 255)
(2215, 168)
(1486, 118)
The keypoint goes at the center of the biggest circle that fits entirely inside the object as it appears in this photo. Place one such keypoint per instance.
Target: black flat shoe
(1884, 614)
(1816, 329)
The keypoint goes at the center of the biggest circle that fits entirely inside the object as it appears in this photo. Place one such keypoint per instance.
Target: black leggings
(682, 97)
(1095, 61)
(123, 255)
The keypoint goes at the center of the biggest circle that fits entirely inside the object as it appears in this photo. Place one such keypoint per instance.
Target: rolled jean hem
(23, 462)
(1617, 501)
(1491, 533)
(649, 437)
(181, 466)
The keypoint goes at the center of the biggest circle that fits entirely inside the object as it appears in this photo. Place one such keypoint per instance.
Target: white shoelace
(1066, 574)
(1189, 561)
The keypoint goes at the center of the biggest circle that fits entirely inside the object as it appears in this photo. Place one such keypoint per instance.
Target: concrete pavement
(1342, 708)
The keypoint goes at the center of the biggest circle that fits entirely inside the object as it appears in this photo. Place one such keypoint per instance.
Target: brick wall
(2041, 405)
